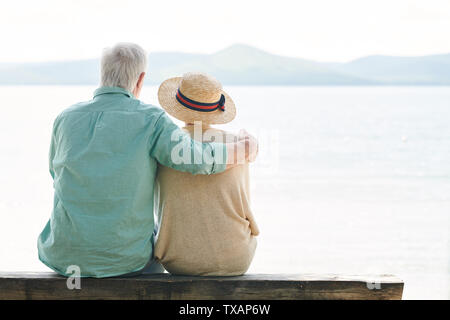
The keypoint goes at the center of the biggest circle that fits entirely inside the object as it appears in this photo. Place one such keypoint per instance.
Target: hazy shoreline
(241, 64)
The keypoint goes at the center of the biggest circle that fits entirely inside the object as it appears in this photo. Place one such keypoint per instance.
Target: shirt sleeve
(51, 153)
(174, 148)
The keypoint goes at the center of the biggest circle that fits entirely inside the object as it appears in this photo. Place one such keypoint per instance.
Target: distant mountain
(434, 69)
(60, 73)
(245, 65)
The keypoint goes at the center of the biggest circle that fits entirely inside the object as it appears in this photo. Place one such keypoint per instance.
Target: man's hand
(251, 145)
(242, 151)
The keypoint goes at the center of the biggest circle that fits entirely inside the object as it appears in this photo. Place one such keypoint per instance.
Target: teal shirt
(103, 160)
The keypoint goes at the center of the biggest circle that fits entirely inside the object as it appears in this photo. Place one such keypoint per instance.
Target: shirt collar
(107, 90)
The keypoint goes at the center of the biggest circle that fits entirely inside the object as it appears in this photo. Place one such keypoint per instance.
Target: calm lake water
(350, 180)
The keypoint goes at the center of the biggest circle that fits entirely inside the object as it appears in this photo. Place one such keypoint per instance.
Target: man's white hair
(122, 64)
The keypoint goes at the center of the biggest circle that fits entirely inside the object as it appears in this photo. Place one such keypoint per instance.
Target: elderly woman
(206, 224)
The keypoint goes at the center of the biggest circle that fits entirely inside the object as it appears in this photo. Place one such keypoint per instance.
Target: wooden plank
(165, 286)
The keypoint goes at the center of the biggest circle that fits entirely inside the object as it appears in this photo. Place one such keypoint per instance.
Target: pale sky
(323, 30)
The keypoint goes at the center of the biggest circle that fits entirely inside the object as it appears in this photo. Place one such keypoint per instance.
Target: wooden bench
(165, 286)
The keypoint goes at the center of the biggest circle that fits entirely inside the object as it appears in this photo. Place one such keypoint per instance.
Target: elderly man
(103, 160)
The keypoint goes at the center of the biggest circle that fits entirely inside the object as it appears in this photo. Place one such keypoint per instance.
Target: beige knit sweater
(207, 226)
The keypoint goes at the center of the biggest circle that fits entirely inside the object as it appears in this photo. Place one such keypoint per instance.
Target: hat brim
(168, 101)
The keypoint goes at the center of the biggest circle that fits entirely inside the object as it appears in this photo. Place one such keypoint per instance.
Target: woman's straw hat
(196, 97)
